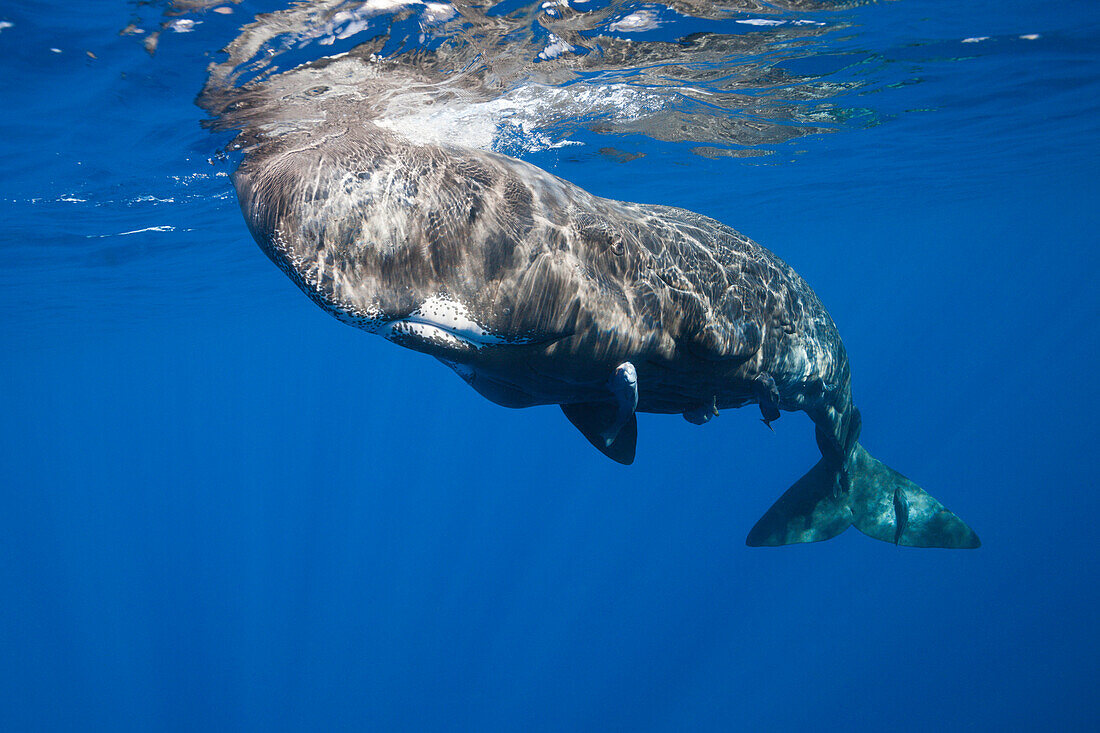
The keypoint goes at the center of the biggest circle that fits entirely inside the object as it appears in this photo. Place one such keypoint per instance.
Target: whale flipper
(595, 419)
(879, 501)
(611, 427)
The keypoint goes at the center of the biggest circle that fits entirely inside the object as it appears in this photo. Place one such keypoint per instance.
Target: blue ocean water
(221, 509)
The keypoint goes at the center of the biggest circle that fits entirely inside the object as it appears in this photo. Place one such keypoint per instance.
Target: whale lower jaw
(431, 336)
(424, 335)
(442, 323)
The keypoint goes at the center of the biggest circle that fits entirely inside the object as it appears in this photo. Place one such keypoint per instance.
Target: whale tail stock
(878, 500)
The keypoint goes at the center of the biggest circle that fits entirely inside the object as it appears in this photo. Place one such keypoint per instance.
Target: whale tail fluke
(878, 500)
(810, 511)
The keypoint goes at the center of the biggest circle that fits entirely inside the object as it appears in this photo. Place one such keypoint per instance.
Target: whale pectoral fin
(597, 421)
(810, 511)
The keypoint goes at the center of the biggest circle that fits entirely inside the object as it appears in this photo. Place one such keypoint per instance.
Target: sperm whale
(537, 292)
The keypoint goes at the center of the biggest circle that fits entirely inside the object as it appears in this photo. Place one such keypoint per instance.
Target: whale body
(536, 292)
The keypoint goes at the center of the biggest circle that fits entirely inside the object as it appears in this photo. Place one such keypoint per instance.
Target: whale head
(433, 252)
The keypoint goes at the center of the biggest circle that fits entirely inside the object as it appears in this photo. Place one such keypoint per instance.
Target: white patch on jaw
(444, 320)
(424, 332)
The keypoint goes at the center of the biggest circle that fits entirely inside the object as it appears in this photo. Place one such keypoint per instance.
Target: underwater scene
(572, 365)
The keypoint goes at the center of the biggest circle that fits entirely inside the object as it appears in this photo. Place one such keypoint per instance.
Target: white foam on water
(761, 21)
(438, 12)
(641, 20)
(554, 48)
(184, 25)
(161, 228)
(516, 119)
(347, 23)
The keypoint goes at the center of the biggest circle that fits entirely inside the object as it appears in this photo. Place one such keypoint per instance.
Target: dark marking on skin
(901, 513)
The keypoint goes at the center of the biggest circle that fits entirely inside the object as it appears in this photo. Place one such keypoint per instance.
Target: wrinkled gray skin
(536, 292)
(371, 226)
